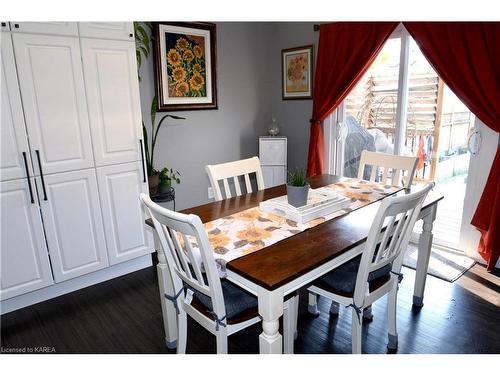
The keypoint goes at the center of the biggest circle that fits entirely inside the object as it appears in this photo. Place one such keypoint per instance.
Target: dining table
(275, 271)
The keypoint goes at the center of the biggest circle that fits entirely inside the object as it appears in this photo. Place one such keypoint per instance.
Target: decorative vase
(297, 195)
(153, 181)
(274, 128)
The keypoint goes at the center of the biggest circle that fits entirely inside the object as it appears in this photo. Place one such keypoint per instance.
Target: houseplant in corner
(165, 180)
(143, 48)
(153, 174)
(297, 188)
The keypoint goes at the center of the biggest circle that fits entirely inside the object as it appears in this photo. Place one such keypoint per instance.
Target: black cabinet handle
(142, 158)
(28, 176)
(41, 175)
(131, 35)
(4, 24)
(16, 25)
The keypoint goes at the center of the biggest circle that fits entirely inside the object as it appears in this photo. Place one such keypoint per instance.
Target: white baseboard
(71, 285)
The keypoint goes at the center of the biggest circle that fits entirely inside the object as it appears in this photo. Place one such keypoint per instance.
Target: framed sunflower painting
(297, 68)
(185, 65)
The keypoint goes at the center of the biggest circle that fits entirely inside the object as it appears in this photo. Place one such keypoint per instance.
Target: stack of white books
(320, 203)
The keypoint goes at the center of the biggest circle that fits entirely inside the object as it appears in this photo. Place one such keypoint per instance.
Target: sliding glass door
(401, 106)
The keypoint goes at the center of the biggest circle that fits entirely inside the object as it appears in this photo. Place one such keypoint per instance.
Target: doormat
(444, 264)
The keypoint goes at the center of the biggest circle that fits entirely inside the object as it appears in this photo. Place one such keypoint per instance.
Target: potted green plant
(297, 188)
(153, 173)
(143, 48)
(165, 178)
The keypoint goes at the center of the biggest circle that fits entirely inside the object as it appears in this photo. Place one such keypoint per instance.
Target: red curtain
(345, 52)
(467, 56)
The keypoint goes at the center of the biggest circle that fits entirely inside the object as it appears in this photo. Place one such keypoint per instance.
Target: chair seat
(240, 304)
(342, 280)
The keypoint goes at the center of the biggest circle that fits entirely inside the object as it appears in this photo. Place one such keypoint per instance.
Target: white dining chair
(377, 271)
(231, 172)
(221, 307)
(399, 169)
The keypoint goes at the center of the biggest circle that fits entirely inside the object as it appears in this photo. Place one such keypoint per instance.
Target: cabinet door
(53, 94)
(107, 30)
(279, 175)
(24, 259)
(272, 151)
(113, 98)
(273, 175)
(5, 26)
(73, 224)
(12, 129)
(51, 28)
(126, 235)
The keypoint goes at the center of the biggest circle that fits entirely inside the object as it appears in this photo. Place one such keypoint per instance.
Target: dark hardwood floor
(124, 316)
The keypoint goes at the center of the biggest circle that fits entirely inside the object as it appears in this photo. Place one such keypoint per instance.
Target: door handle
(28, 176)
(41, 175)
(142, 159)
(474, 146)
(340, 128)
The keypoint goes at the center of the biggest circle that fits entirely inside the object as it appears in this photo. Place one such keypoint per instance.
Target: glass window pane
(438, 125)
(371, 109)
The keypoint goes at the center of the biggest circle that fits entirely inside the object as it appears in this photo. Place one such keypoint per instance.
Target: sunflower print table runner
(250, 230)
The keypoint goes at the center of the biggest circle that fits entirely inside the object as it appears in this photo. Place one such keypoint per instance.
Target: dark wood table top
(275, 265)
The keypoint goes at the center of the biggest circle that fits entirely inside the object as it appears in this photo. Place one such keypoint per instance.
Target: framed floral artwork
(297, 72)
(185, 65)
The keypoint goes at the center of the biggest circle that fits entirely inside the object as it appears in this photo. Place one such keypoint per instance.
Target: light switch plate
(210, 193)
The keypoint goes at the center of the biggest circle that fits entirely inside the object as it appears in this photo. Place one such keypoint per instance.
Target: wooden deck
(446, 228)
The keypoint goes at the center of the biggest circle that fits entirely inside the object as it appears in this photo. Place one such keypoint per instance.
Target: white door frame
(479, 168)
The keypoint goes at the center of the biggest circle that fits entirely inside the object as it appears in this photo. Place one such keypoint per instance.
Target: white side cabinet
(24, 259)
(107, 30)
(110, 67)
(273, 159)
(126, 235)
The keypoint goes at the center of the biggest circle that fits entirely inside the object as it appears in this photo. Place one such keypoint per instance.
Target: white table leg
(270, 309)
(424, 253)
(168, 310)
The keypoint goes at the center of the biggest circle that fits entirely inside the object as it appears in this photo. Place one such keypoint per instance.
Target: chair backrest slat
(248, 185)
(233, 170)
(227, 190)
(373, 173)
(385, 175)
(180, 253)
(187, 251)
(385, 238)
(398, 215)
(394, 166)
(195, 265)
(237, 185)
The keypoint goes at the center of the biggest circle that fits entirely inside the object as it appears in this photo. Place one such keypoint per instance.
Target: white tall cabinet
(71, 167)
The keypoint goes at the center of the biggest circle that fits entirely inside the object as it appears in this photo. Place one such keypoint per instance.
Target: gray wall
(249, 94)
(293, 115)
(226, 134)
